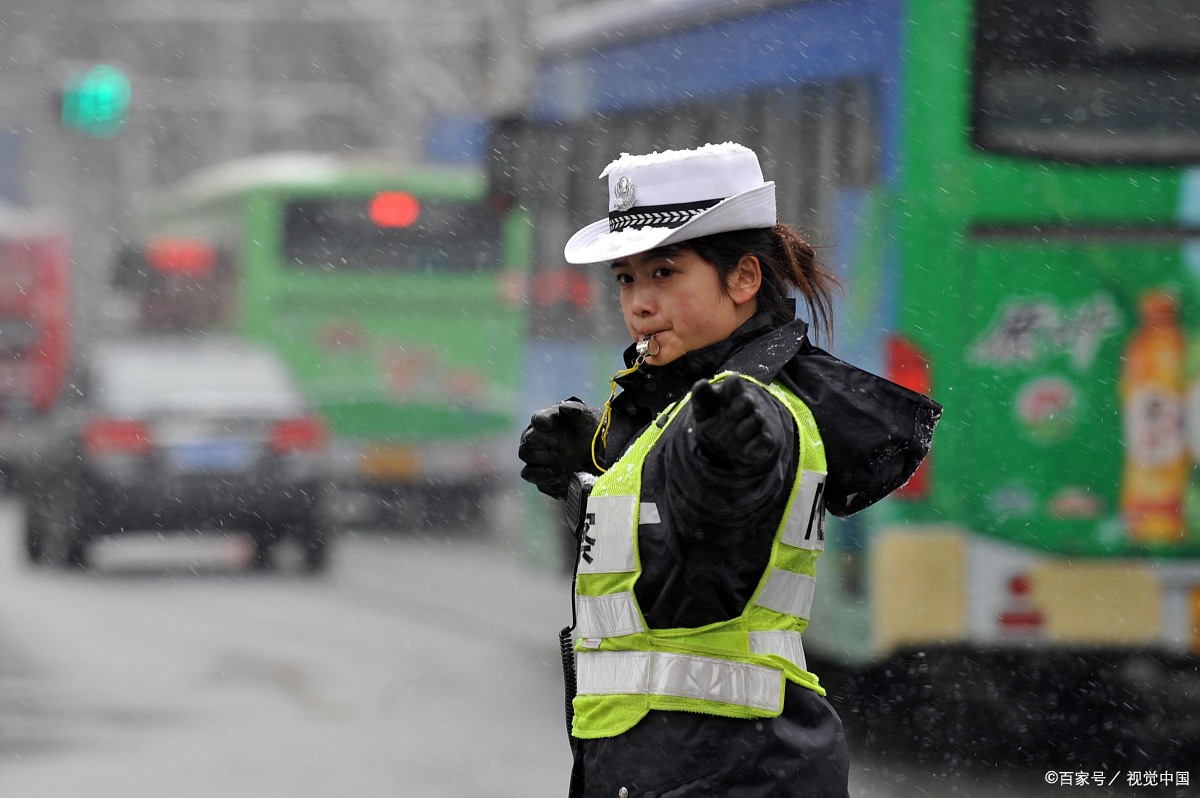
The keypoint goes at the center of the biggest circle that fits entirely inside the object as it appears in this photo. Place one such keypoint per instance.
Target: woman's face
(677, 296)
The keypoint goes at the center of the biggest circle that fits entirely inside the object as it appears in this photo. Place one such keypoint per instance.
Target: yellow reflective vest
(735, 668)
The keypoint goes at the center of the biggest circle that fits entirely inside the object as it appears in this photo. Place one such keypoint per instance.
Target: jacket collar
(654, 387)
(764, 357)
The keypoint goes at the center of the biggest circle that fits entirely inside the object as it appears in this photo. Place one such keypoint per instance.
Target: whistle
(642, 347)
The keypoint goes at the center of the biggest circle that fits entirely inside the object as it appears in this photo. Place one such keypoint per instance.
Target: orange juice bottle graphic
(1191, 428)
(1151, 388)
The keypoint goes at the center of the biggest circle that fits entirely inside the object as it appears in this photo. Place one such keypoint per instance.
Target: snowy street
(412, 668)
(418, 666)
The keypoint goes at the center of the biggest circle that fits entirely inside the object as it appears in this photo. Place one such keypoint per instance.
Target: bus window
(391, 232)
(1088, 80)
(857, 149)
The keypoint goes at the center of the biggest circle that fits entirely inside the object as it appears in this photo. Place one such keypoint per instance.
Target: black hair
(787, 260)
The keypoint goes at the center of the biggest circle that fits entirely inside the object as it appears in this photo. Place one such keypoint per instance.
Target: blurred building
(214, 79)
(218, 79)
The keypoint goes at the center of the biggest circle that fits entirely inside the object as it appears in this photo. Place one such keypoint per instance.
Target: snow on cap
(665, 197)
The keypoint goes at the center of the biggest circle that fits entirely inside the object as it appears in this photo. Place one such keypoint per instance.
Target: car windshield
(140, 380)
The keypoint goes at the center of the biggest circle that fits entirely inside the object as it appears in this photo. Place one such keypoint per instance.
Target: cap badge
(623, 194)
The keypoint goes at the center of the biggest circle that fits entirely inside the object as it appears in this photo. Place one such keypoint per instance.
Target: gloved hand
(556, 444)
(731, 422)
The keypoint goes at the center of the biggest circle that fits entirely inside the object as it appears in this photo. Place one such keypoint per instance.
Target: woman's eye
(624, 279)
(663, 271)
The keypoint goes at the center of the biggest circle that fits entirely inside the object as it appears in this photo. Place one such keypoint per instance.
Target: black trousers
(680, 754)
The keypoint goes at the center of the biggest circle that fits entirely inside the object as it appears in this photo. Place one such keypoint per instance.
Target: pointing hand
(730, 422)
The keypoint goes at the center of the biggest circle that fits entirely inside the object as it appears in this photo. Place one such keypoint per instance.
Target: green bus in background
(1010, 192)
(393, 293)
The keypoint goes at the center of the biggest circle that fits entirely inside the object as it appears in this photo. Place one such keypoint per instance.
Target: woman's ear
(745, 280)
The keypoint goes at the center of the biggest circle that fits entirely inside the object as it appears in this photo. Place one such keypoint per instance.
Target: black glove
(556, 444)
(730, 422)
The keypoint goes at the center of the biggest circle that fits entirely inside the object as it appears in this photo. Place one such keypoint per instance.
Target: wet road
(418, 666)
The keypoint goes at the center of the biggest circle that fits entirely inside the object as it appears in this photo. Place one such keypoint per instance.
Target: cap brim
(746, 211)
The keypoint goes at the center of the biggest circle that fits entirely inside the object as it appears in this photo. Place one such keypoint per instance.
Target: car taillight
(298, 435)
(104, 436)
(907, 365)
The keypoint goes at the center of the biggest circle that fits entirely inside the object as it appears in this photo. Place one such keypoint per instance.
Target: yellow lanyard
(643, 350)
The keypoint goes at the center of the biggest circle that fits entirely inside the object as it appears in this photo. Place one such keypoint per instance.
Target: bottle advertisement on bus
(1096, 441)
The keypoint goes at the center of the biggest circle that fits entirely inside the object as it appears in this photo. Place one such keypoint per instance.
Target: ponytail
(789, 266)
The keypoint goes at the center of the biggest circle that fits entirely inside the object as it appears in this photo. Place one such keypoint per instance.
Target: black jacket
(702, 561)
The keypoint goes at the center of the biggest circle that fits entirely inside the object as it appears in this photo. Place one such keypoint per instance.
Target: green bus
(394, 293)
(1009, 192)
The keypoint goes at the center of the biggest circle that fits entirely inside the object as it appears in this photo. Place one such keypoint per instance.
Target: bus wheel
(316, 555)
(264, 545)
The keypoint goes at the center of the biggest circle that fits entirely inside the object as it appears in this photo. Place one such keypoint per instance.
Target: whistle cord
(606, 418)
(643, 351)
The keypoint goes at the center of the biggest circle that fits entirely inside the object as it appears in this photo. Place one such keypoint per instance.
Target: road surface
(418, 666)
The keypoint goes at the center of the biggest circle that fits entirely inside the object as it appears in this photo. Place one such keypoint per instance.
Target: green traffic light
(96, 102)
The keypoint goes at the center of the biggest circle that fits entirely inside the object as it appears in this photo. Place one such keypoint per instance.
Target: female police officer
(712, 472)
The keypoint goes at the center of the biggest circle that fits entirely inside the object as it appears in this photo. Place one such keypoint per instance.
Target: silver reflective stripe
(612, 672)
(607, 545)
(782, 644)
(805, 528)
(681, 675)
(607, 616)
(788, 592)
